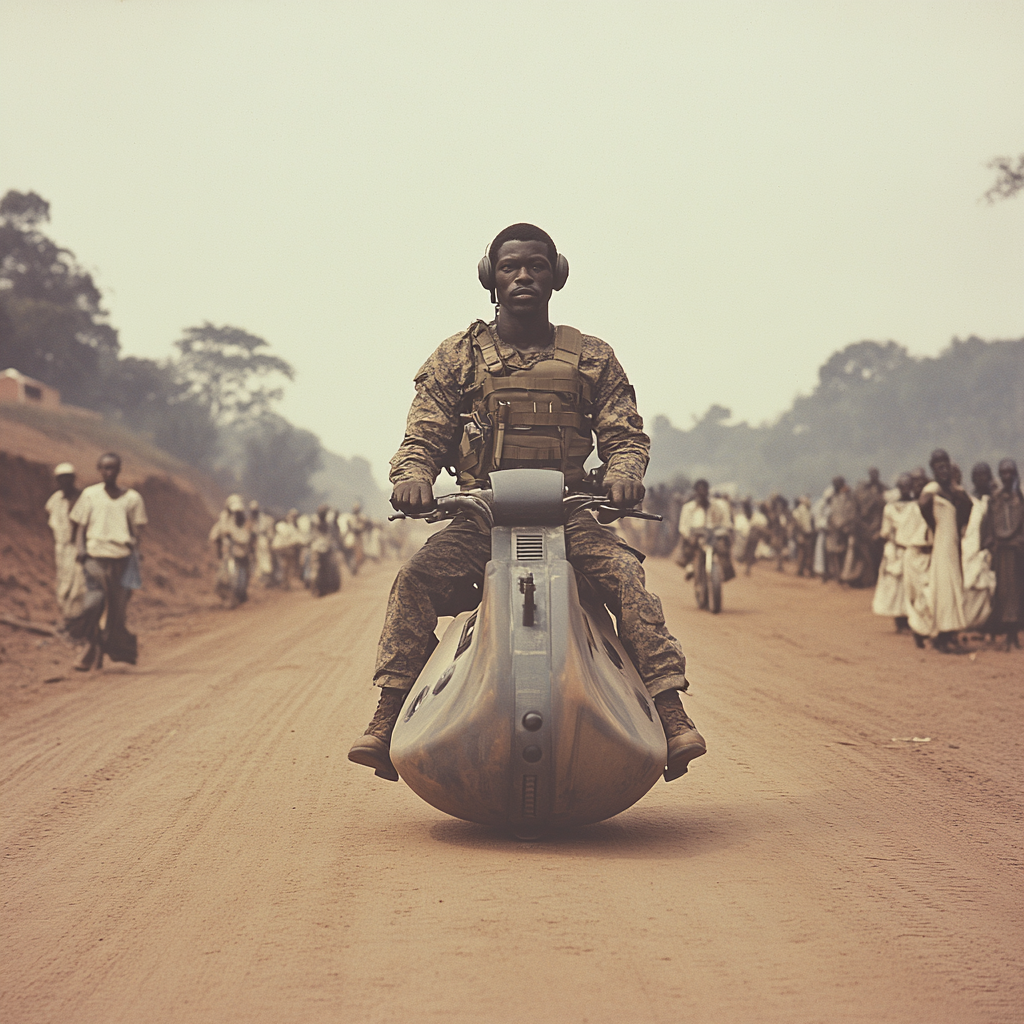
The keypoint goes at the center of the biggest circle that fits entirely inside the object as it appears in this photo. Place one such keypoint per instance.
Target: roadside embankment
(176, 565)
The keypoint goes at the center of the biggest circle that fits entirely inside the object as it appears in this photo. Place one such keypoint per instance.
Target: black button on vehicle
(532, 721)
(532, 754)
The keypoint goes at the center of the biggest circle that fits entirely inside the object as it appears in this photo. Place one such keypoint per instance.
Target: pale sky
(740, 188)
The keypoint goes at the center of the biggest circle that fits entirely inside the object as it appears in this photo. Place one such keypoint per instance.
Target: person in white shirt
(110, 520)
(58, 509)
(703, 511)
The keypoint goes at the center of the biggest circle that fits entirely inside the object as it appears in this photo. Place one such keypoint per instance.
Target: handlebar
(477, 503)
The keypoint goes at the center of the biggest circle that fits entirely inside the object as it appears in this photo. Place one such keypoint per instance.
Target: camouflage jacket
(433, 426)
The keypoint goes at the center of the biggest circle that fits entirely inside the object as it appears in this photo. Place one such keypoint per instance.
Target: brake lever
(629, 513)
(413, 515)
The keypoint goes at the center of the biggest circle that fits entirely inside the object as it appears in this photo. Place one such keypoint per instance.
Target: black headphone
(485, 272)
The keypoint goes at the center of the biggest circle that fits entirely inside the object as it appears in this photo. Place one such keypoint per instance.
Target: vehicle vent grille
(529, 547)
(529, 796)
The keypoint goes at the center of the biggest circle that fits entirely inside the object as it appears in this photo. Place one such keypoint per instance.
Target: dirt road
(185, 841)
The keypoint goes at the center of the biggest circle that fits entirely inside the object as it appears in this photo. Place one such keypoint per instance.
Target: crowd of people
(309, 549)
(943, 561)
(97, 533)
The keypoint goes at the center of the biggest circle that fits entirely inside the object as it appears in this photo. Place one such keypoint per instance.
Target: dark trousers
(104, 590)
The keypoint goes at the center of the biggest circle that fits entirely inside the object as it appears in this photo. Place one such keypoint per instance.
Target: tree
(1010, 179)
(860, 363)
(56, 327)
(279, 461)
(146, 395)
(222, 368)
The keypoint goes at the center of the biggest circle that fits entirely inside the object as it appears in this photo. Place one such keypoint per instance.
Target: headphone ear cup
(561, 273)
(485, 272)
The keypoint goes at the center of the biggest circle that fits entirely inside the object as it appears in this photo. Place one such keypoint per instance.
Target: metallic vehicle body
(529, 714)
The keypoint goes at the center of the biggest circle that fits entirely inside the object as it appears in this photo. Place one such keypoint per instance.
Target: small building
(16, 387)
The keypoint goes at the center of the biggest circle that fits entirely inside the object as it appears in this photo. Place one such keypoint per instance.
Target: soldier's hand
(626, 493)
(413, 497)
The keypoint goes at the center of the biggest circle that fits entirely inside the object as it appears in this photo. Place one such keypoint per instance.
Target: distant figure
(70, 578)
(262, 527)
(870, 498)
(819, 513)
(352, 528)
(234, 544)
(779, 528)
(110, 520)
(890, 597)
(979, 579)
(756, 534)
(913, 535)
(324, 571)
(946, 509)
(803, 536)
(287, 546)
(1006, 530)
(704, 512)
(843, 559)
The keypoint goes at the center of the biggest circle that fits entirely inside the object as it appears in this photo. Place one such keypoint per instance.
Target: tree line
(874, 405)
(211, 404)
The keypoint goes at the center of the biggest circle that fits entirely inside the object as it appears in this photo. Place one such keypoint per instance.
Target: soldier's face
(943, 471)
(523, 276)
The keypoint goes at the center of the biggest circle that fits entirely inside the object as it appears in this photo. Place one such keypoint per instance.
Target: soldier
(557, 368)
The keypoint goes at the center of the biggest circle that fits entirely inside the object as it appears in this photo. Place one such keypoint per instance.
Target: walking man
(110, 519)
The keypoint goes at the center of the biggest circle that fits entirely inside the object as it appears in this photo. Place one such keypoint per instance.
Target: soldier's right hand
(413, 497)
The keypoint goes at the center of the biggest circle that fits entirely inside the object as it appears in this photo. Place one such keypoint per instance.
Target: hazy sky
(740, 188)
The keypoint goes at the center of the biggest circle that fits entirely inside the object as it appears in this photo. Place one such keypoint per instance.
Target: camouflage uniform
(439, 579)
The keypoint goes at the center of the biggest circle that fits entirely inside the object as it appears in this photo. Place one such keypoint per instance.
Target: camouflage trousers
(444, 576)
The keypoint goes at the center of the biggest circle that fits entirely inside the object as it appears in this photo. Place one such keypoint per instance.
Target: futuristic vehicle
(529, 714)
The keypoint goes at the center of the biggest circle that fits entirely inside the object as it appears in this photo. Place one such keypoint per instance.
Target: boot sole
(681, 761)
(373, 755)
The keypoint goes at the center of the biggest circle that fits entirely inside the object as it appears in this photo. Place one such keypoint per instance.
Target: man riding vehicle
(520, 392)
(704, 512)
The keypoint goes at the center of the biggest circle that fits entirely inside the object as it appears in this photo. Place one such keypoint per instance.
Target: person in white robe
(913, 536)
(946, 508)
(890, 599)
(979, 577)
(70, 577)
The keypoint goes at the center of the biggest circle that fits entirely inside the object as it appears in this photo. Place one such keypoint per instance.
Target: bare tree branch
(1010, 179)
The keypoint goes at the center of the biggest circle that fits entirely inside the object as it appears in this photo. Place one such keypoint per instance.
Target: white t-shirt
(694, 516)
(108, 521)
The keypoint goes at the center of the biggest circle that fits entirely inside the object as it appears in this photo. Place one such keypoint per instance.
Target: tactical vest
(534, 418)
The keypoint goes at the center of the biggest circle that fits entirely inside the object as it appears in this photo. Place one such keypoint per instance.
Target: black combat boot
(373, 747)
(684, 742)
